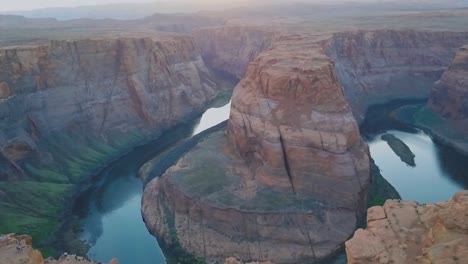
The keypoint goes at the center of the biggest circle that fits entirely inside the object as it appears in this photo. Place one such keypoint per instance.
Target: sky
(10, 5)
(16, 5)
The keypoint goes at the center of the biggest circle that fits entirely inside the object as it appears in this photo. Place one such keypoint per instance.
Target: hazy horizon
(28, 5)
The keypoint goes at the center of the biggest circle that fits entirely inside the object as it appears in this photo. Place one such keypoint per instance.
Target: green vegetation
(175, 254)
(427, 119)
(400, 148)
(33, 208)
(380, 190)
(37, 206)
(442, 129)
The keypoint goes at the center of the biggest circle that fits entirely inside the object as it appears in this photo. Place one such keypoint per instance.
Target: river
(110, 215)
(439, 172)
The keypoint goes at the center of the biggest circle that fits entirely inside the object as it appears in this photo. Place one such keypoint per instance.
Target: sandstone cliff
(449, 97)
(18, 250)
(445, 115)
(379, 66)
(68, 107)
(289, 180)
(407, 232)
(373, 66)
(231, 49)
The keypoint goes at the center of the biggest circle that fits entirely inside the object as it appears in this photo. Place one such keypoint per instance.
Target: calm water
(110, 211)
(439, 171)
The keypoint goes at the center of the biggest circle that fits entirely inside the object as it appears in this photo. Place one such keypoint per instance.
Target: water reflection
(438, 173)
(110, 211)
(213, 117)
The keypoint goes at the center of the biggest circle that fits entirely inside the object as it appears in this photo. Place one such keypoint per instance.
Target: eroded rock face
(449, 96)
(98, 88)
(235, 261)
(231, 49)
(407, 232)
(4, 90)
(289, 180)
(290, 122)
(73, 106)
(382, 65)
(18, 250)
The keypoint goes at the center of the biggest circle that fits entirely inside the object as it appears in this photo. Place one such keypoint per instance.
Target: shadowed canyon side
(230, 49)
(407, 232)
(292, 177)
(71, 106)
(376, 67)
(289, 180)
(445, 115)
(449, 97)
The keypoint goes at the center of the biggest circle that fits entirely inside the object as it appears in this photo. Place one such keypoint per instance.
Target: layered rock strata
(373, 66)
(407, 232)
(379, 66)
(230, 49)
(69, 107)
(288, 182)
(449, 96)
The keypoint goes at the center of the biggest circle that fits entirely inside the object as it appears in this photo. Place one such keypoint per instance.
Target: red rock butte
(288, 180)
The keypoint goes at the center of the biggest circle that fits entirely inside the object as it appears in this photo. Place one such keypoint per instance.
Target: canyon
(292, 138)
(289, 177)
(69, 106)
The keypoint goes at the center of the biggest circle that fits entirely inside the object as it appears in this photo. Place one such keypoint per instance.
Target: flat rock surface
(18, 250)
(406, 232)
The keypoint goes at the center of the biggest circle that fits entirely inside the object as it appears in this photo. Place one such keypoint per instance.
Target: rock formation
(449, 96)
(69, 107)
(18, 250)
(235, 261)
(291, 134)
(231, 49)
(289, 180)
(373, 66)
(407, 232)
(379, 66)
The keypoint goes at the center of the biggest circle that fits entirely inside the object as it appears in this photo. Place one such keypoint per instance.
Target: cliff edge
(407, 232)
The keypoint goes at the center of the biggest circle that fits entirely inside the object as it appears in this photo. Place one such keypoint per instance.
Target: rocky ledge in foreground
(407, 232)
(288, 181)
(18, 250)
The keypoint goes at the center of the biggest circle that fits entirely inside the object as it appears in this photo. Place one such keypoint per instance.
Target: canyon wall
(373, 66)
(231, 49)
(68, 107)
(379, 66)
(449, 96)
(289, 180)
